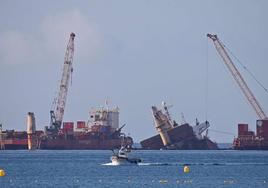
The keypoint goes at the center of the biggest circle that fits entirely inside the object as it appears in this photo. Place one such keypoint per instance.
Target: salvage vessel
(246, 140)
(101, 132)
(249, 140)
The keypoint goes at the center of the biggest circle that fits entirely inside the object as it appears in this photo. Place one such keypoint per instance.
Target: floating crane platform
(249, 140)
(101, 132)
(246, 140)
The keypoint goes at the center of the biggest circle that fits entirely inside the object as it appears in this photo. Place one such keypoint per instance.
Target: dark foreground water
(159, 169)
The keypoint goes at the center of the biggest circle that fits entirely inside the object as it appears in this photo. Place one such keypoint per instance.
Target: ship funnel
(31, 128)
(31, 123)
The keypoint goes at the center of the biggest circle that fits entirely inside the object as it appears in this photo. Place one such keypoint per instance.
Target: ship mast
(165, 107)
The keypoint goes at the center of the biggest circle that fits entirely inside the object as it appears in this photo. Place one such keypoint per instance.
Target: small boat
(121, 157)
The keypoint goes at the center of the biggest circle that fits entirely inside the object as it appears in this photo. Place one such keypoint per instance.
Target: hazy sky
(135, 54)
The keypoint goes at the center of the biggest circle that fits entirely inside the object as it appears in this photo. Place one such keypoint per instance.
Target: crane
(56, 114)
(237, 76)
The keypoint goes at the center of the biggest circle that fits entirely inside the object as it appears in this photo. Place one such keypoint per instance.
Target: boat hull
(124, 161)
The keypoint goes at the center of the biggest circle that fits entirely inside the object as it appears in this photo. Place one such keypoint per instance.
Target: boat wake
(154, 164)
(138, 164)
(120, 164)
(188, 164)
(109, 164)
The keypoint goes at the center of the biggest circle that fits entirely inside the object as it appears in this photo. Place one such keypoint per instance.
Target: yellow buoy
(186, 169)
(2, 172)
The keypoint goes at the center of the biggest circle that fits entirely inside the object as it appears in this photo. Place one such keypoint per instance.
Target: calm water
(159, 169)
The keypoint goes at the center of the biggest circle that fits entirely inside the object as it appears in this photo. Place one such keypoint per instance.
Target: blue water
(159, 169)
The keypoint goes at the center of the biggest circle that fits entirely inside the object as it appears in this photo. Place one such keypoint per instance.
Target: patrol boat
(121, 157)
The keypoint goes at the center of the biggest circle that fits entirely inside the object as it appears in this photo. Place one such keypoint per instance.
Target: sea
(161, 168)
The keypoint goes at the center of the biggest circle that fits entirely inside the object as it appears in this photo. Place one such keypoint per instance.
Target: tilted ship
(174, 136)
(64, 135)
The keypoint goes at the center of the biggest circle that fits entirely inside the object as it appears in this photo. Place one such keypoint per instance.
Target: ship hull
(15, 144)
(65, 144)
(253, 144)
(182, 138)
(61, 143)
(80, 144)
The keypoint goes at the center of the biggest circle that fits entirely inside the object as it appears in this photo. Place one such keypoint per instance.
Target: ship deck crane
(237, 76)
(56, 114)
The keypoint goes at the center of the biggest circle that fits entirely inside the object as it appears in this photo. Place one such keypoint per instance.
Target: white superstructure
(105, 117)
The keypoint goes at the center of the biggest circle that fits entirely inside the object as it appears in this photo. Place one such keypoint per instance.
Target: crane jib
(57, 114)
(237, 76)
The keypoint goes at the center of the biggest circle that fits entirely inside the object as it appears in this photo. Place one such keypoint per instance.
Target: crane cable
(206, 83)
(244, 67)
(222, 132)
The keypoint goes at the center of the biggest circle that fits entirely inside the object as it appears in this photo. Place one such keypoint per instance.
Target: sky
(134, 54)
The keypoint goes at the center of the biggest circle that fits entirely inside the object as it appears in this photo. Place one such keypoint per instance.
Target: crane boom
(237, 76)
(57, 115)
